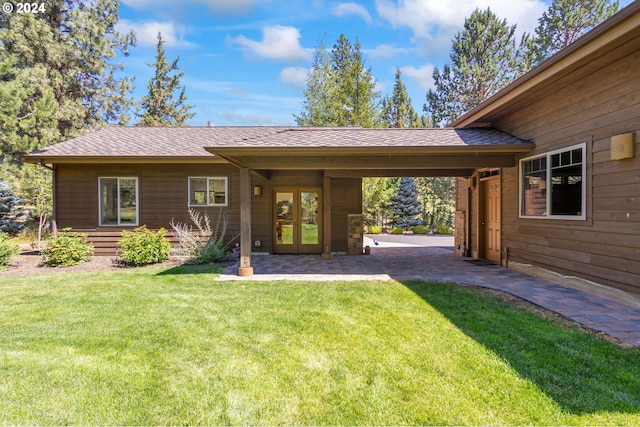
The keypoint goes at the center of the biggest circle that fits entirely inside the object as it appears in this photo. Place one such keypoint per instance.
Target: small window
(208, 191)
(553, 185)
(118, 201)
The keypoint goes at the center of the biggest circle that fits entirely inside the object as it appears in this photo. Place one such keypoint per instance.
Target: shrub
(443, 229)
(143, 246)
(374, 229)
(207, 246)
(67, 248)
(7, 250)
(420, 229)
(397, 230)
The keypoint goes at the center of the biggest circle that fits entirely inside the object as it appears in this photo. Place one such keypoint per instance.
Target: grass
(171, 346)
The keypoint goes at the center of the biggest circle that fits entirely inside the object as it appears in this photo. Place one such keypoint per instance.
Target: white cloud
(278, 42)
(423, 76)
(147, 33)
(351, 8)
(294, 76)
(389, 51)
(430, 18)
(218, 6)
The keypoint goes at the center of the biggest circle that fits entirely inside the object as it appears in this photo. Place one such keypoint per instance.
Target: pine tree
(565, 21)
(320, 104)
(397, 111)
(484, 59)
(57, 80)
(340, 90)
(8, 203)
(405, 204)
(159, 106)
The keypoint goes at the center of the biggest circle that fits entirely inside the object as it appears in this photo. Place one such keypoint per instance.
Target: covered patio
(343, 153)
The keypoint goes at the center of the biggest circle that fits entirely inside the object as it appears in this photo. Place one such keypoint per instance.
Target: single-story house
(547, 174)
(284, 189)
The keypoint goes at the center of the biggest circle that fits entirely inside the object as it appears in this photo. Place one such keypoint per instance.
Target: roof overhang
(614, 36)
(44, 159)
(374, 161)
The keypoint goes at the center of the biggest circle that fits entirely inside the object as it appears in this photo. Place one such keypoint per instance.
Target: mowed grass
(157, 346)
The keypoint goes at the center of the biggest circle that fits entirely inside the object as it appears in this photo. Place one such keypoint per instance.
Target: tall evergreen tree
(484, 59)
(565, 21)
(159, 107)
(320, 104)
(340, 89)
(405, 204)
(397, 110)
(57, 78)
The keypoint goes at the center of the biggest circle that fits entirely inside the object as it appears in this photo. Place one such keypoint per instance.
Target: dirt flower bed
(31, 263)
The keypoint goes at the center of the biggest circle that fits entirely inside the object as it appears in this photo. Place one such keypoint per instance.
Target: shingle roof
(189, 142)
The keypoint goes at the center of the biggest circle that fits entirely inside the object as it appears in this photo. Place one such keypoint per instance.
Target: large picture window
(553, 185)
(118, 201)
(208, 191)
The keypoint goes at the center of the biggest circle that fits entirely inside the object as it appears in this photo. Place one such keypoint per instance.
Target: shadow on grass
(584, 374)
(194, 269)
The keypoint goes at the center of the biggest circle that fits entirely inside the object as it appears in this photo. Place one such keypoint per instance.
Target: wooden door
(491, 218)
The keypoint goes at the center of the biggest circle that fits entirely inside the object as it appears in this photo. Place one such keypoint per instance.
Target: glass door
(297, 221)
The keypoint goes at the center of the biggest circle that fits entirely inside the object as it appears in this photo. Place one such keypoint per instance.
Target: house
(284, 189)
(547, 171)
(572, 204)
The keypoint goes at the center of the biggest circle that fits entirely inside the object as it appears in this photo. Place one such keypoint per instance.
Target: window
(553, 185)
(118, 201)
(208, 191)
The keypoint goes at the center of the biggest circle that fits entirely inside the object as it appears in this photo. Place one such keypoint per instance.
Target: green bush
(397, 230)
(67, 248)
(443, 229)
(7, 250)
(374, 229)
(206, 246)
(143, 246)
(420, 229)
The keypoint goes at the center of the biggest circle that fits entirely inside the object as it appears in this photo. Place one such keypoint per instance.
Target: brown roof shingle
(190, 142)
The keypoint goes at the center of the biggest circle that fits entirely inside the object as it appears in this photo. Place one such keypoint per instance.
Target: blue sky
(245, 61)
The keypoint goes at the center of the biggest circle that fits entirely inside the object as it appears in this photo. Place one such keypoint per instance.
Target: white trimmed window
(553, 185)
(118, 200)
(208, 191)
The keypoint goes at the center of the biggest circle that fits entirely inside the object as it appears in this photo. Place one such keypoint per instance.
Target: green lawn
(164, 346)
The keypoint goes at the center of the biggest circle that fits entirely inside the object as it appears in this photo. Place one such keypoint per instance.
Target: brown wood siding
(585, 107)
(346, 198)
(163, 196)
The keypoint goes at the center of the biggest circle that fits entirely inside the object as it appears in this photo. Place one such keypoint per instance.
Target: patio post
(245, 223)
(326, 218)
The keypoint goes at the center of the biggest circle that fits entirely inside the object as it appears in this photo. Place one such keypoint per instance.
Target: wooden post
(245, 223)
(326, 218)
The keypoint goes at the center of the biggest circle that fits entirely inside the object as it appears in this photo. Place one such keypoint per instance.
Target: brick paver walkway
(441, 264)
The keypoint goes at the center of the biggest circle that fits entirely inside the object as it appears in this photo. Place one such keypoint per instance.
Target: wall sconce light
(622, 146)
(257, 190)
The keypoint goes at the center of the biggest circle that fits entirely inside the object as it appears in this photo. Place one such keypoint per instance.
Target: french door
(298, 222)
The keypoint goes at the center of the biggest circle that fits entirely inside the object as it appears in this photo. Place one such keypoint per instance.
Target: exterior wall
(346, 198)
(585, 107)
(163, 196)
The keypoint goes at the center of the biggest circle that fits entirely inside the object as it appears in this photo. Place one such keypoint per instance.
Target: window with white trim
(208, 191)
(118, 200)
(553, 185)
